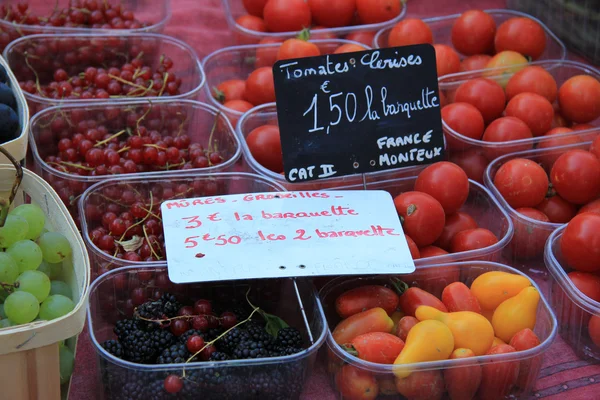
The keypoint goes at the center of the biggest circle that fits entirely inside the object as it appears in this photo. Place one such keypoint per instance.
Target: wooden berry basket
(18, 146)
(29, 366)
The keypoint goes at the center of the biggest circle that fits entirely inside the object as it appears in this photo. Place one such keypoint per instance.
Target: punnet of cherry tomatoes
(240, 78)
(427, 335)
(252, 20)
(477, 39)
(543, 189)
(496, 112)
(573, 259)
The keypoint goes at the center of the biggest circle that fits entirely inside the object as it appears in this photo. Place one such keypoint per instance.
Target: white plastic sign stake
(272, 235)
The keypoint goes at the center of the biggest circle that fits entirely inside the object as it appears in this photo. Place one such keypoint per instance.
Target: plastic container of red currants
(234, 9)
(267, 115)
(115, 294)
(77, 145)
(481, 205)
(235, 64)
(120, 218)
(63, 17)
(441, 28)
(16, 144)
(462, 149)
(428, 377)
(526, 249)
(67, 69)
(575, 311)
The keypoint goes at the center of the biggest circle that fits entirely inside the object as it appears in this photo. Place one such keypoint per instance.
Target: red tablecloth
(201, 23)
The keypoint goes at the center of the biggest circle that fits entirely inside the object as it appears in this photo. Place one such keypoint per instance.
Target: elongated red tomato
(414, 297)
(458, 297)
(462, 383)
(498, 378)
(356, 384)
(378, 347)
(405, 325)
(364, 298)
(529, 368)
(373, 320)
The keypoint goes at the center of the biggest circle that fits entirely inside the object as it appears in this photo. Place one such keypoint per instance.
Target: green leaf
(274, 323)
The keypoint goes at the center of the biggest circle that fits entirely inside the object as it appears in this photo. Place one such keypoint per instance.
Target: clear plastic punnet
(433, 278)
(574, 310)
(283, 377)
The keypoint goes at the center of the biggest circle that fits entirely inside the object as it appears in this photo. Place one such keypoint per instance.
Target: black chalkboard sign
(344, 114)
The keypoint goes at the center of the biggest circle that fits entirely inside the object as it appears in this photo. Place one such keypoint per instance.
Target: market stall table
(202, 25)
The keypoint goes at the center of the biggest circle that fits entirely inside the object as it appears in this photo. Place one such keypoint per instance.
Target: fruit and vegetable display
(392, 323)
(76, 146)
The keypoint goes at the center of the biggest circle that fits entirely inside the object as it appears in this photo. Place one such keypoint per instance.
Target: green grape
(66, 360)
(15, 228)
(9, 270)
(54, 271)
(59, 287)
(2, 313)
(21, 307)
(35, 282)
(55, 247)
(34, 216)
(5, 323)
(27, 254)
(56, 306)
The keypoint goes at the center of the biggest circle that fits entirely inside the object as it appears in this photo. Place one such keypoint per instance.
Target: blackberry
(134, 390)
(280, 351)
(174, 354)
(125, 327)
(213, 333)
(114, 348)
(289, 337)
(139, 347)
(258, 333)
(229, 342)
(151, 310)
(218, 382)
(183, 338)
(241, 313)
(219, 356)
(161, 339)
(156, 391)
(170, 305)
(251, 349)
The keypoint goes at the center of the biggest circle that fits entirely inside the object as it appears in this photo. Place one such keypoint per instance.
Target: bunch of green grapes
(31, 269)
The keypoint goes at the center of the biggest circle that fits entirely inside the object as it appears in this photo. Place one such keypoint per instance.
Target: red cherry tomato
(528, 369)
(580, 242)
(594, 329)
(582, 127)
(592, 206)
(447, 183)
(532, 79)
(404, 326)
(521, 182)
(556, 138)
(559, 121)
(595, 147)
(364, 37)
(535, 110)
(528, 241)
(446, 59)
(410, 31)
(523, 35)
(297, 48)
(486, 95)
(472, 239)
(579, 99)
(498, 378)
(473, 33)
(264, 143)
(254, 7)
(286, 15)
(266, 56)
(472, 161)
(376, 11)
(252, 23)
(576, 176)
(414, 297)
(356, 384)
(422, 216)
(506, 129)
(458, 297)
(364, 298)
(557, 209)
(349, 48)
(232, 89)
(412, 246)
(321, 33)
(332, 13)
(457, 222)
(474, 63)
(588, 284)
(431, 251)
(237, 105)
(260, 88)
(465, 119)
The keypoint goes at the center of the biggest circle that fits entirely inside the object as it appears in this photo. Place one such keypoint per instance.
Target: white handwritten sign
(264, 235)
(351, 113)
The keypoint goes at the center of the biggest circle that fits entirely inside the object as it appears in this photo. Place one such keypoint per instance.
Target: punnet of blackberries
(165, 331)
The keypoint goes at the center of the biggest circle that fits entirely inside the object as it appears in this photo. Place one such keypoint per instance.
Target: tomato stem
(348, 348)
(399, 285)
